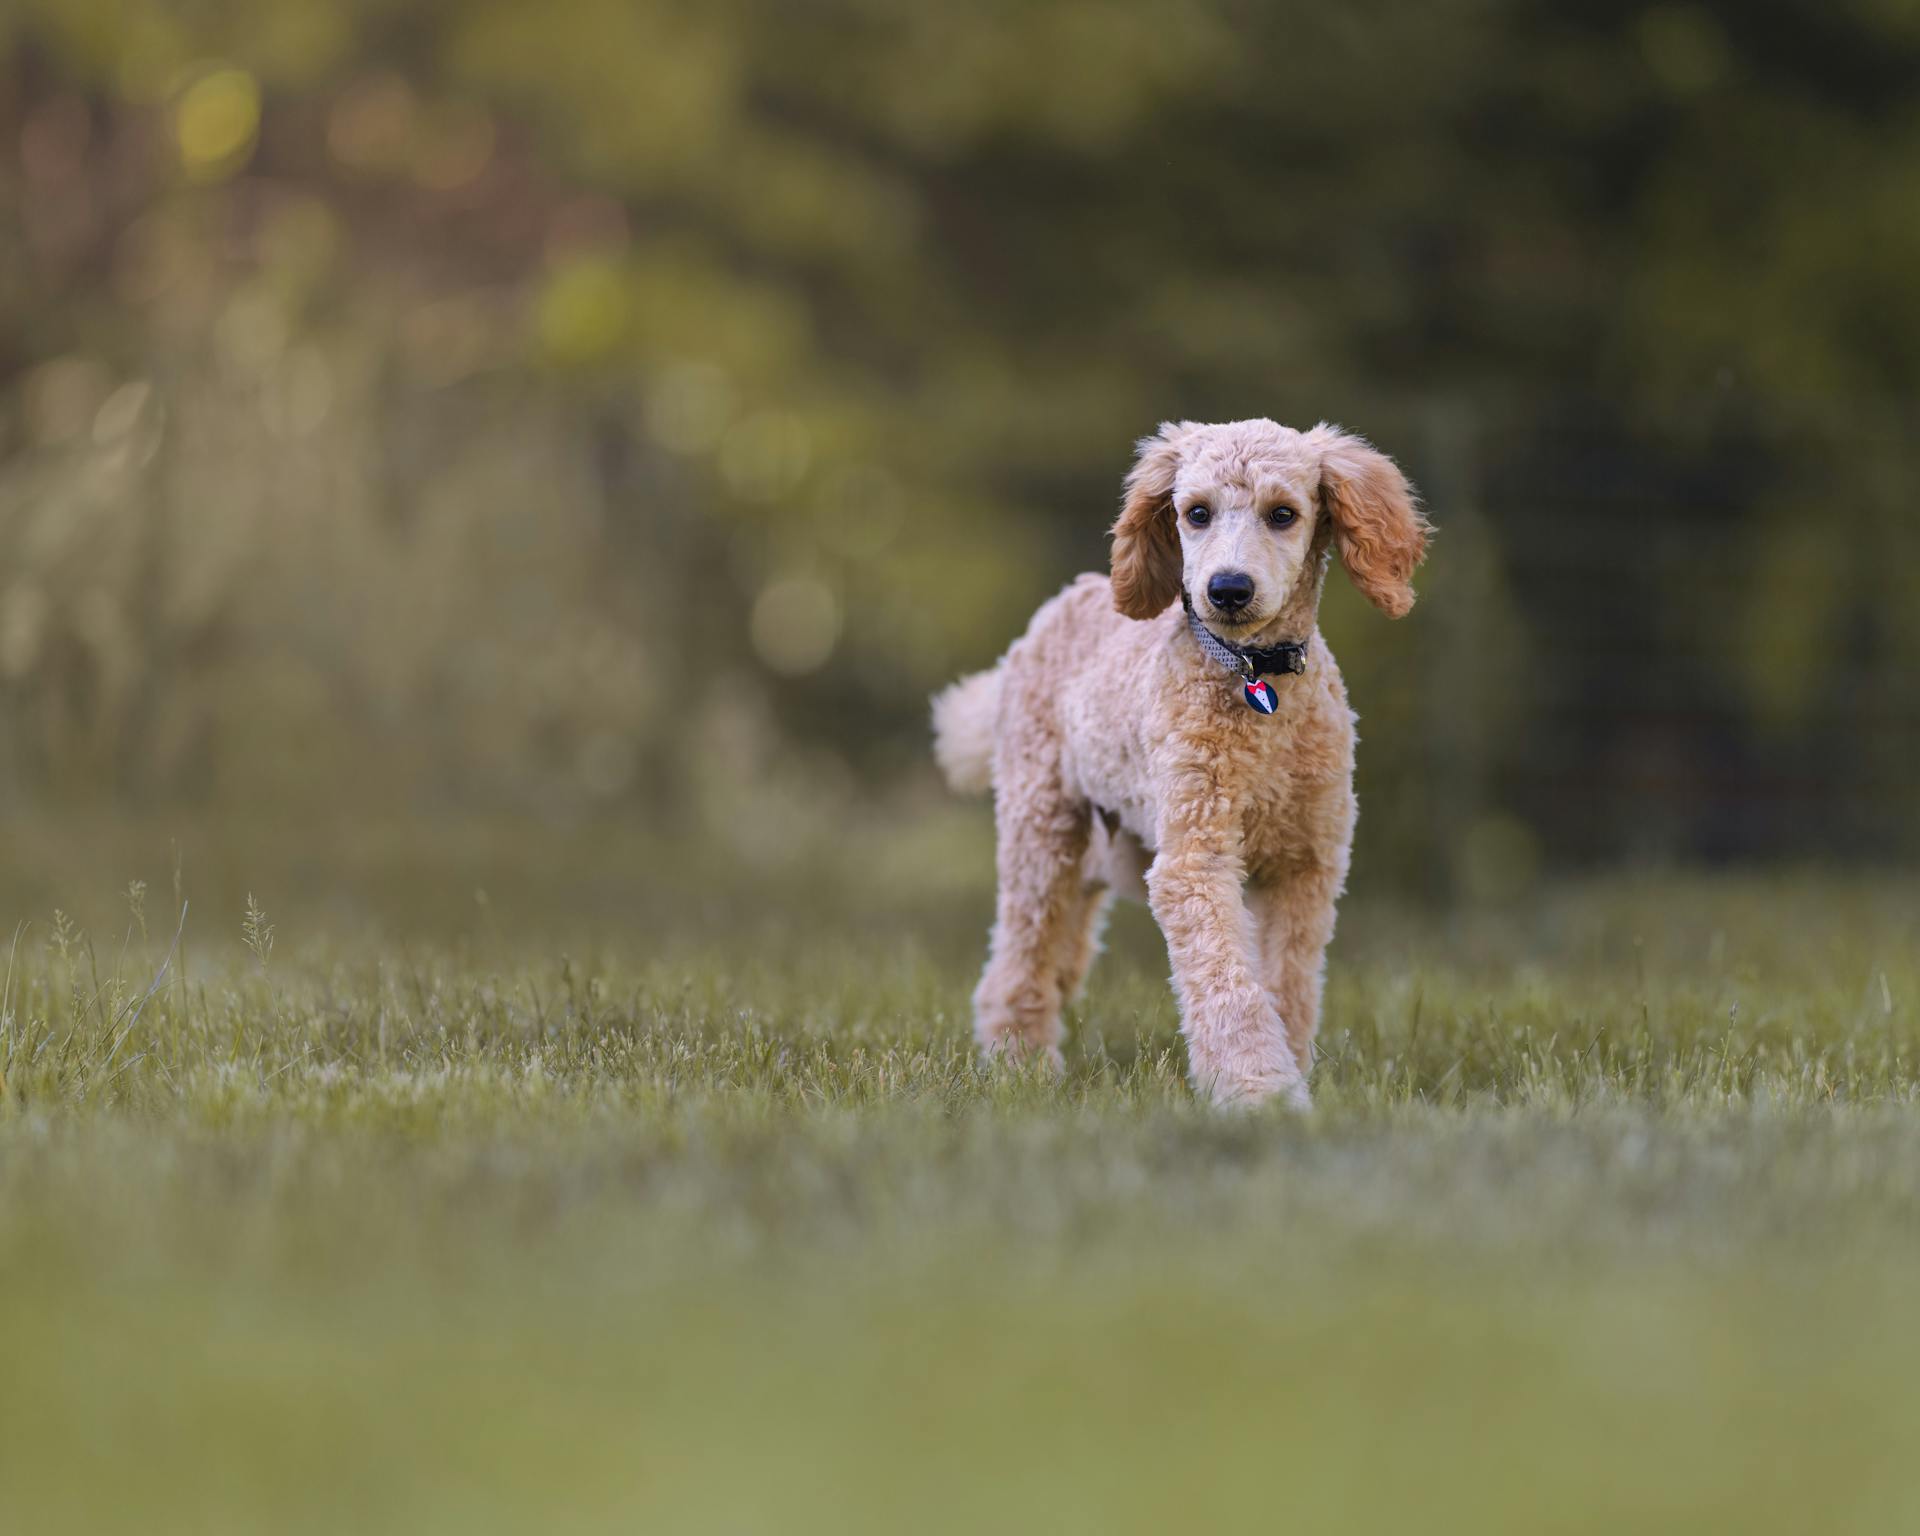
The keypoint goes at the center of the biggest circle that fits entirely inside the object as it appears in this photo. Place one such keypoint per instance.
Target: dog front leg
(1236, 1043)
(1294, 915)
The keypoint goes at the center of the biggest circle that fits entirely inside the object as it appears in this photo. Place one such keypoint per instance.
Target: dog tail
(964, 718)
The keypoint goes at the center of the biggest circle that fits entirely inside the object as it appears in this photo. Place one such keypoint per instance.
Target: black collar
(1287, 658)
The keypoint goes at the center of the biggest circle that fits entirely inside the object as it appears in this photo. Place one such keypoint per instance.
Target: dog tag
(1260, 695)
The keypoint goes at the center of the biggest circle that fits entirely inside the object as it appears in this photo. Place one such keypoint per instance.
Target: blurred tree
(625, 401)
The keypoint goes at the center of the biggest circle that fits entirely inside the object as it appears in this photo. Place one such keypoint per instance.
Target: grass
(502, 1220)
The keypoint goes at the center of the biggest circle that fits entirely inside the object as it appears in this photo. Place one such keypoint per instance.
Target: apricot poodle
(1186, 711)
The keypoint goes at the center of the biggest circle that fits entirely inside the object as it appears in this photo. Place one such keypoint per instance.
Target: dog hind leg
(1043, 931)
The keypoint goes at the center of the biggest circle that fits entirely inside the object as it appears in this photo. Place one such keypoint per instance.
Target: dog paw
(1253, 1075)
(1234, 1093)
(1018, 1051)
(1241, 1059)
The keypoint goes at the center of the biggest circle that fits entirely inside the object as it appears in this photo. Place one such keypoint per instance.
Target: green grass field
(590, 1205)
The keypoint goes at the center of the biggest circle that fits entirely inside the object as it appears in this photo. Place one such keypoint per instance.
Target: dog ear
(1146, 545)
(1377, 523)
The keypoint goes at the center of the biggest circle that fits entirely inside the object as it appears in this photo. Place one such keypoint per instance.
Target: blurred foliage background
(627, 410)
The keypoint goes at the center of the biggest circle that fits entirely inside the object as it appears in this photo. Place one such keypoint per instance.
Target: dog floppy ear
(1377, 523)
(1146, 545)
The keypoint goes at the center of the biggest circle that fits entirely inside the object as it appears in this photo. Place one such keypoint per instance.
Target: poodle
(1181, 720)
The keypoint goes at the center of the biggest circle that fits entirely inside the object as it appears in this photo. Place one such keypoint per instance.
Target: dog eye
(1283, 517)
(1198, 515)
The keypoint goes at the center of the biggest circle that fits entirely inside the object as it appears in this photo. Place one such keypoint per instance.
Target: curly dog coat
(1112, 733)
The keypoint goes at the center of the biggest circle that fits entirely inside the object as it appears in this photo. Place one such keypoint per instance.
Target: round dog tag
(1260, 695)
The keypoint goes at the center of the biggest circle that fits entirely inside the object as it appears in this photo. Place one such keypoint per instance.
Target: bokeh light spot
(583, 313)
(688, 407)
(215, 122)
(371, 128)
(253, 330)
(795, 625)
(455, 149)
(299, 393)
(120, 412)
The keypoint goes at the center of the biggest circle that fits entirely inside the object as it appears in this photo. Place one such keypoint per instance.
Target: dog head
(1242, 515)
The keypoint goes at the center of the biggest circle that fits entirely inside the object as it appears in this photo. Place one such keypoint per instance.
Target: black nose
(1230, 591)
